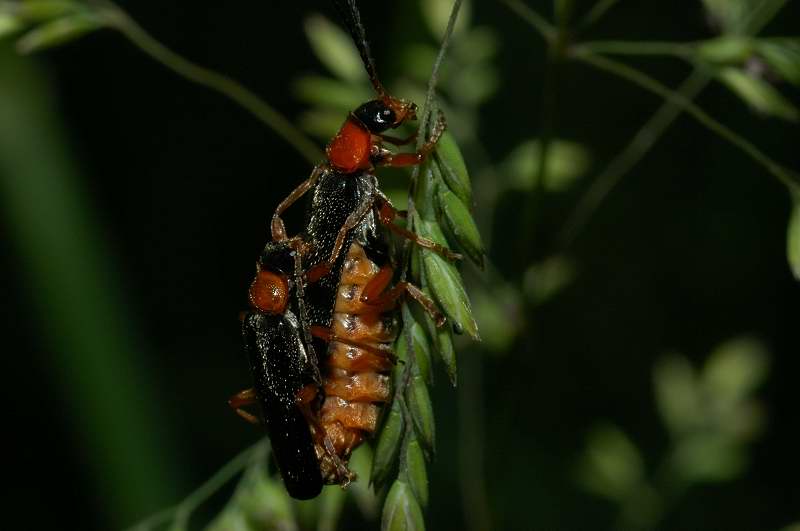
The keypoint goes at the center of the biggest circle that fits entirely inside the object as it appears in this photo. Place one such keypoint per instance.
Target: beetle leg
(323, 268)
(278, 229)
(386, 215)
(241, 399)
(375, 295)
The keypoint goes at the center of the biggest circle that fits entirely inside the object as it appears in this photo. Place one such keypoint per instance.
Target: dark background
(687, 252)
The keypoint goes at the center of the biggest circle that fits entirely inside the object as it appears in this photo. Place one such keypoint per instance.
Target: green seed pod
(444, 281)
(401, 512)
(442, 339)
(421, 411)
(447, 288)
(413, 465)
(451, 167)
(58, 32)
(421, 343)
(388, 447)
(460, 226)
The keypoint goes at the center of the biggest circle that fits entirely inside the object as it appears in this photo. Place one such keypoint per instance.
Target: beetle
(284, 368)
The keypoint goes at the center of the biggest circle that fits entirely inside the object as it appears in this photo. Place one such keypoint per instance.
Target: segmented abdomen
(356, 370)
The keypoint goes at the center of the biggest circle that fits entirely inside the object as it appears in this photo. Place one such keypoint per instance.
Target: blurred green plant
(711, 416)
(47, 23)
(94, 352)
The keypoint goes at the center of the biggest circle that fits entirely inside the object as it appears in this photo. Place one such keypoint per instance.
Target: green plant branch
(674, 49)
(181, 512)
(788, 177)
(600, 8)
(116, 18)
(536, 21)
(430, 95)
(630, 156)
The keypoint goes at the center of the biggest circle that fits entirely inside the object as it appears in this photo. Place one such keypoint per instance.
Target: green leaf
(498, 307)
(264, 502)
(782, 54)
(334, 48)
(735, 368)
(388, 447)
(725, 50)
(452, 168)
(677, 394)
(793, 238)
(413, 466)
(759, 94)
(460, 226)
(612, 465)
(472, 84)
(478, 46)
(731, 16)
(437, 13)
(708, 457)
(9, 24)
(421, 411)
(401, 512)
(322, 123)
(42, 10)
(59, 32)
(331, 93)
(543, 280)
(566, 162)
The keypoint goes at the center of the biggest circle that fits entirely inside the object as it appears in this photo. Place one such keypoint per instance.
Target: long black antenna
(352, 21)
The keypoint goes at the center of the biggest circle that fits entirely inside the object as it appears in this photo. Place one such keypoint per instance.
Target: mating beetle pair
(320, 329)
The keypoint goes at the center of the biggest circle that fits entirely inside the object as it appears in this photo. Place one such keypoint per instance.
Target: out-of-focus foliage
(711, 416)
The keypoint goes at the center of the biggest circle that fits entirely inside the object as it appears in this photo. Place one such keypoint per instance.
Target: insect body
(349, 296)
(283, 369)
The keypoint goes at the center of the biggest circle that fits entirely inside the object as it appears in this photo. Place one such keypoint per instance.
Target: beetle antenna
(352, 20)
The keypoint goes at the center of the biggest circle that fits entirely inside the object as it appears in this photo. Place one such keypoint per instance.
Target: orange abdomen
(356, 371)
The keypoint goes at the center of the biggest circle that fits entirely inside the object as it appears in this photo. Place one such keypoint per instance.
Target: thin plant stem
(433, 80)
(649, 134)
(232, 89)
(630, 156)
(673, 49)
(430, 95)
(788, 177)
(537, 21)
(546, 132)
(599, 9)
(654, 127)
(181, 513)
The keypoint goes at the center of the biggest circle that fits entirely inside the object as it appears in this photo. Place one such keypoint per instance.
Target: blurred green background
(638, 373)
